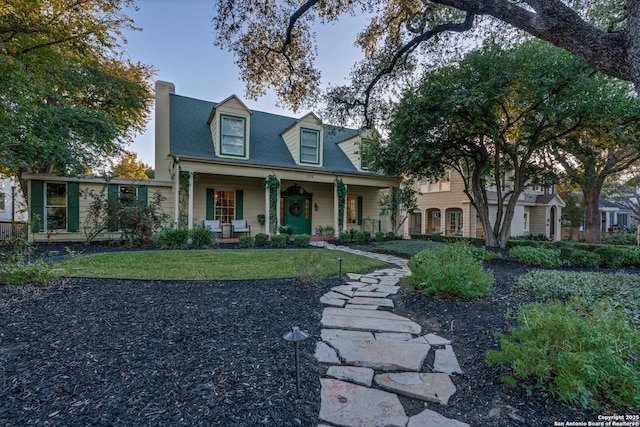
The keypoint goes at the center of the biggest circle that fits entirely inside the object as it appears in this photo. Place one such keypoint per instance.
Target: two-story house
(227, 151)
(212, 160)
(443, 207)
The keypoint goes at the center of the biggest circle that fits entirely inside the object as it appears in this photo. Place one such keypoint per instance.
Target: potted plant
(328, 231)
(261, 219)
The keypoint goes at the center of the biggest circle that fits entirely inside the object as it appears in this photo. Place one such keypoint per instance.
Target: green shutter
(359, 210)
(143, 194)
(73, 206)
(239, 204)
(37, 206)
(211, 204)
(112, 201)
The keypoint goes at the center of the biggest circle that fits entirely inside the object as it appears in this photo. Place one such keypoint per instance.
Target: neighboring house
(443, 207)
(211, 163)
(12, 208)
(613, 216)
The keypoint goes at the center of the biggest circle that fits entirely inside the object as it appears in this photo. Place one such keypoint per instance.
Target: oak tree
(274, 42)
(69, 96)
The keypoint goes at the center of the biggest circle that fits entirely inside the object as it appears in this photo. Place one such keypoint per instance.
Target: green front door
(298, 213)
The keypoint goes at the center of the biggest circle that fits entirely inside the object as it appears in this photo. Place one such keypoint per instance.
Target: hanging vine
(341, 189)
(273, 184)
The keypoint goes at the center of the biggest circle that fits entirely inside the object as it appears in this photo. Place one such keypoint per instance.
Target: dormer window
(309, 146)
(365, 145)
(232, 136)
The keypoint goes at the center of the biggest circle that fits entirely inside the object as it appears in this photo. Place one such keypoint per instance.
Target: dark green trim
(244, 136)
(360, 205)
(37, 206)
(143, 194)
(211, 204)
(73, 206)
(113, 192)
(239, 204)
(317, 132)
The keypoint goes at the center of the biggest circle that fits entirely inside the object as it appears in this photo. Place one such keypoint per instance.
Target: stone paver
(382, 355)
(446, 361)
(381, 302)
(424, 386)
(360, 334)
(347, 404)
(325, 354)
(355, 374)
(429, 418)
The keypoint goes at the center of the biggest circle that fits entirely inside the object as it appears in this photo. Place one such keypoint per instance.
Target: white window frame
(224, 146)
(316, 148)
(48, 206)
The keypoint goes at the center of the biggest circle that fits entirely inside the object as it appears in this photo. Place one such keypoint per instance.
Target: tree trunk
(592, 215)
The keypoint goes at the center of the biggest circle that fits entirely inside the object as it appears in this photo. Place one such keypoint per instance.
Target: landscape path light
(295, 336)
(340, 259)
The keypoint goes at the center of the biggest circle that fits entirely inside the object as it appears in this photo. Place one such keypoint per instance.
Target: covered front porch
(303, 201)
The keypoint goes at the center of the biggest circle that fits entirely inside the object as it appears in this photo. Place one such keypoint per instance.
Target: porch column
(267, 192)
(336, 226)
(176, 195)
(190, 210)
(278, 212)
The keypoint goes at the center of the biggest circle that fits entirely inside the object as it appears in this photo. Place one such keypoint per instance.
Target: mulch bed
(128, 352)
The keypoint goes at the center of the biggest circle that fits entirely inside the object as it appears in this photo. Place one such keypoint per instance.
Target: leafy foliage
(362, 237)
(536, 256)
(302, 240)
(128, 166)
(450, 270)
(279, 241)
(618, 289)
(262, 239)
(202, 237)
(578, 355)
(71, 98)
(246, 242)
(171, 238)
(345, 237)
(21, 273)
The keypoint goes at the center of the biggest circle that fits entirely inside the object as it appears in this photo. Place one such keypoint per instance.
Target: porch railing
(12, 230)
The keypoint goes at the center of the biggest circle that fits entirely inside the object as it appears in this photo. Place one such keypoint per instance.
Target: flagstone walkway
(374, 355)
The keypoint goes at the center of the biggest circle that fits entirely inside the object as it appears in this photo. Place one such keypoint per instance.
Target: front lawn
(406, 248)
(212, 264)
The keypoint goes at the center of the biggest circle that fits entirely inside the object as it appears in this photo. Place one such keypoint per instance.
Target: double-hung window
(310, 146)
(232, 136)
(365, 156)
(2, 202)
(56, 206)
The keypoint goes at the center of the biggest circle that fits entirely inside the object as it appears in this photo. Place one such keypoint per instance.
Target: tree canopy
(492, 118)
(128, 166)
(275, 45)
(69, 96)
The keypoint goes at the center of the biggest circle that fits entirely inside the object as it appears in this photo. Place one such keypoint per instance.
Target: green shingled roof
(190, 136)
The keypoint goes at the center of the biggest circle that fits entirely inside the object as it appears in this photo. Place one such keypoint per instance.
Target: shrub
(285, 229)
(574, 354)
(391, 235)
(20, 273)
(246, 242)
(610, 256)
(363, 237)
(580, 258)
(450, 270)
(171, 238)
(202, 237)
(302, 240)
(536, 256)
(345, 237)
(262, 239)
(279, 241)
(379, 236)
(631, 256)
(619, 238)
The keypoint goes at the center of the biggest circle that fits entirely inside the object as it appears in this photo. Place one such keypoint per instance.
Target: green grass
(210, 264)
(404, 247)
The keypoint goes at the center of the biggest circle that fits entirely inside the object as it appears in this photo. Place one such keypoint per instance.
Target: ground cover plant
(207, 264)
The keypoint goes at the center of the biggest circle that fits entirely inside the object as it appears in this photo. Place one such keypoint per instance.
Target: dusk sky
(177, 39)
